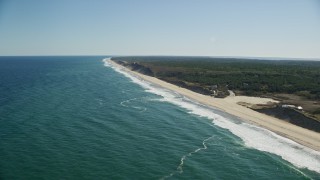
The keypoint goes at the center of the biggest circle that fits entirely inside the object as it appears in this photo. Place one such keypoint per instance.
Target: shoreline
(229, 105)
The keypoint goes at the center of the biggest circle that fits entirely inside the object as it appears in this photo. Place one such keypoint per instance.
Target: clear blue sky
(257, 28)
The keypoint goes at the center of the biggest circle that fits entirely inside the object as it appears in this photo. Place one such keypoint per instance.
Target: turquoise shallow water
(75, 118)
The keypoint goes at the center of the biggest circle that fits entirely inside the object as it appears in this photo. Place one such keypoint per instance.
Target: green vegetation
(252, 77)
(214, 76)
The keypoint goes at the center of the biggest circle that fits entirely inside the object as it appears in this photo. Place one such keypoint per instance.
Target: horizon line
(235, 57)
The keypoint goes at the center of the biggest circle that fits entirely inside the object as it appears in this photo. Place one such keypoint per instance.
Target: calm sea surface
(81, 118)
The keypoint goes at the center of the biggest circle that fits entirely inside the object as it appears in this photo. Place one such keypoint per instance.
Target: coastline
(229, 105)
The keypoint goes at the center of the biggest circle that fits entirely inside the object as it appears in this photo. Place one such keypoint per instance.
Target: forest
(290, 81)
(249, 76)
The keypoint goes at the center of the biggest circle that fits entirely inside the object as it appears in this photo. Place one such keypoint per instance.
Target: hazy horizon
(232, 57)
(254, 29)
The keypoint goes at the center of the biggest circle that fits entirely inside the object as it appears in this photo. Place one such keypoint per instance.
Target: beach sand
(229, 105)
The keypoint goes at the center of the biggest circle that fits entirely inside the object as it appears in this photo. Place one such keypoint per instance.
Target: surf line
(184, 157)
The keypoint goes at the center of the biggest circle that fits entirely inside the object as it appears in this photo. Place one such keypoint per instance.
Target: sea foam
(252, 135)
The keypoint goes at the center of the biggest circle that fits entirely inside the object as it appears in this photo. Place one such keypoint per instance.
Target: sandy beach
(229, 105)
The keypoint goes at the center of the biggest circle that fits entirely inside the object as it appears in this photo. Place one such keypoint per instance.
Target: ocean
(81, 118)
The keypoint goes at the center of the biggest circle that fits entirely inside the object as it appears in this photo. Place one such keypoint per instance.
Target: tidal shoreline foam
(252, 135)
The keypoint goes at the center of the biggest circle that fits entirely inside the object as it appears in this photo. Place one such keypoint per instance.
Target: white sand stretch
(300, 135)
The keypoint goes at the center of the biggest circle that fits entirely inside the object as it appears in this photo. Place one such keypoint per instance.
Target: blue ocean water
(81, 118)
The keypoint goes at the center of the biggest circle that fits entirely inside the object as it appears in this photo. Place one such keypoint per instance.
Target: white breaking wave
(252, 136)
(124, 104)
